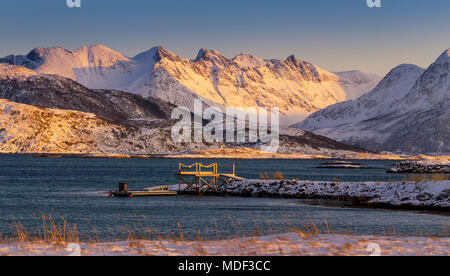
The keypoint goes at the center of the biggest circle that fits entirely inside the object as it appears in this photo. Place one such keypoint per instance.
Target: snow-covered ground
(296, 243)
(432, 194)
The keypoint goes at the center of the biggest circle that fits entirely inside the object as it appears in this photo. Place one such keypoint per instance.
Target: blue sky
(334, 34)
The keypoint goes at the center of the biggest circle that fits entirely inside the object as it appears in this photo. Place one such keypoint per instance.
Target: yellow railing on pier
(203, 177)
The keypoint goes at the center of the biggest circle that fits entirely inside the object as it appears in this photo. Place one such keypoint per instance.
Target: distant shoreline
(212, 156)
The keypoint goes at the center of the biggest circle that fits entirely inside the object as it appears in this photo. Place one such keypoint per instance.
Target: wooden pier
(195, 177)
(203, 177)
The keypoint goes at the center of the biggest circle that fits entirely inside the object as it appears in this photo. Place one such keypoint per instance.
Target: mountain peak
(309, 71)
(99, 47)
(404, 68)
(250, 61)
(445, 57)
(205, 54)
(45, 51)
(404, 74)
(155, 54)
(302, 65)
(292, 59)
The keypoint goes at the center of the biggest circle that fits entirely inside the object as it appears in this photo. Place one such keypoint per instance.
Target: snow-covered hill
(408, 111)
(52, 91)
(30, 129)
(297, 87)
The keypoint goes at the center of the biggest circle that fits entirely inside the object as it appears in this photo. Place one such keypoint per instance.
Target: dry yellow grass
(277, 175)
(439, 177)
(47, 230)
(264, 176)
(436, 177)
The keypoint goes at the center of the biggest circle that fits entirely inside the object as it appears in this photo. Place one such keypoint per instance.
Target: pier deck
(203, 177)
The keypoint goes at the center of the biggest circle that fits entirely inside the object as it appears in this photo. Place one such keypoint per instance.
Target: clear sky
(334, 34)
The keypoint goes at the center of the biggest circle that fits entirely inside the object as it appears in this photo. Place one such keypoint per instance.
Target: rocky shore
(420, 168)
(408, 195)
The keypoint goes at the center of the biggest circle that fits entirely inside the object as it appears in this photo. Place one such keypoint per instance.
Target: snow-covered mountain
(408, 111)
(296, 87)
(30, 129)
(42, 113)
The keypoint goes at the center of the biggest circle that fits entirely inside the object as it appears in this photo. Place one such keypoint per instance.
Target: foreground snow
(432, 194)
(282, 244)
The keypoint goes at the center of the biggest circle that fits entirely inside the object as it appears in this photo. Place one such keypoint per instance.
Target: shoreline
(340, 202)
(228, 157)
(425, 196)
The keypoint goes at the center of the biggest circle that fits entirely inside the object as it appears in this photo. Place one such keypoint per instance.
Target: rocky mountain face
(53, 91)
(297, 87)
(408, 111)
(30, 129)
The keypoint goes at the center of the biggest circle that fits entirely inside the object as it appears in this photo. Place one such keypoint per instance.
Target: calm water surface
(66, 187)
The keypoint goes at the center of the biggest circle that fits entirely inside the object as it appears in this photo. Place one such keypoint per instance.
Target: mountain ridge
(42, 113)
(54, 91)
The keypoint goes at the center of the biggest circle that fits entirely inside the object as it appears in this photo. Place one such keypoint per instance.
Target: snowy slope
(15, 72)
(384, 98)
(408, 111)
(357, 83)
(30, 129)
(26, 86)
(296, 87)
